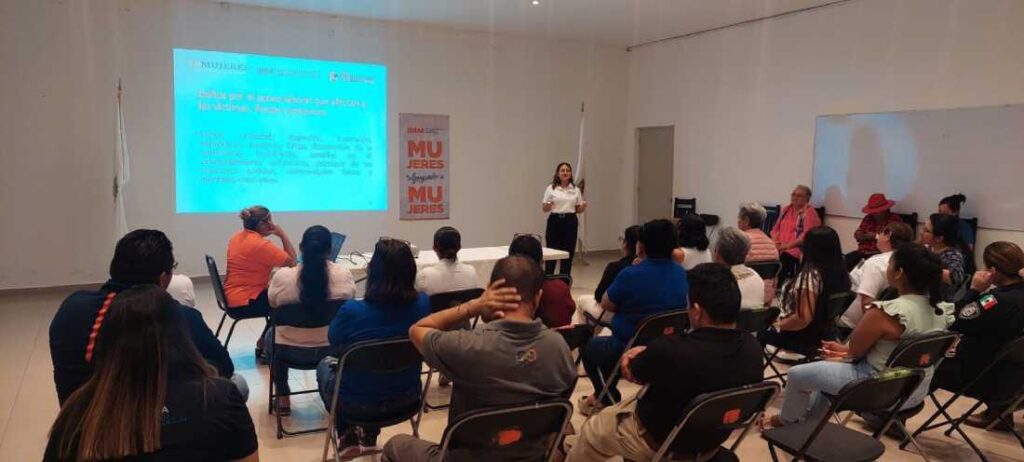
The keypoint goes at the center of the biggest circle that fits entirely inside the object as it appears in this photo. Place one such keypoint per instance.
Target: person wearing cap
(878, 217)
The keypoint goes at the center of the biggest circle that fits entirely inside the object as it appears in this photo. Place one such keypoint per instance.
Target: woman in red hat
(878, 217)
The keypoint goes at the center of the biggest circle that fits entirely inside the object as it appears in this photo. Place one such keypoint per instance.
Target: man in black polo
(713, 356)
(143, 256)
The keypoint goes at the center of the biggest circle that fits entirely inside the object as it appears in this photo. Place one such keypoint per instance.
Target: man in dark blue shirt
(654, 285)
(142, 256)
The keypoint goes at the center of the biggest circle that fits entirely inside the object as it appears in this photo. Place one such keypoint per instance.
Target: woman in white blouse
(563, 200)
(315, 280)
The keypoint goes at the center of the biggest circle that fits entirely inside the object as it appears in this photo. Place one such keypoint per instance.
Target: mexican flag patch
(988, 301)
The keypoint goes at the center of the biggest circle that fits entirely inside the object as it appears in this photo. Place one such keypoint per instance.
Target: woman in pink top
(762, 248)
(788, 233)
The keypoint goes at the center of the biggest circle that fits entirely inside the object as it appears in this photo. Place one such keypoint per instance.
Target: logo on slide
(218, 66)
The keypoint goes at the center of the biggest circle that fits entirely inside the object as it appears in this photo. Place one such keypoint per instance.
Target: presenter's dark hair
(659, 238)
(630, 237)
(714, 288)
(118, 412)
(923, 270)
(954, 202)
(555, 181)
(447, 243)
(253, 216)
(141, 256)
(391, 274)
(527, 246)
(693, 232)
(313, 278)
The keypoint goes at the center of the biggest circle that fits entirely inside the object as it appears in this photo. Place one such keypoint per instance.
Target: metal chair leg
(230, 332)
(221, 324)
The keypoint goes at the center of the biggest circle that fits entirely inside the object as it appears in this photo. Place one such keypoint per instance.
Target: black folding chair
(682, 207)
(758, 319)
(911, 220)
(520, 432)
(441, 302)
(1012, 353)
(821, 213)
(771, 217)
(222, 303)
(380, 358)
(725, 410)
(836, 306)
(664, 324)
(303, 316)
(766, 269)
(821, 440)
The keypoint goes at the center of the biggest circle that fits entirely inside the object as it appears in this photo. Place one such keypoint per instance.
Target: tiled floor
(28, 402)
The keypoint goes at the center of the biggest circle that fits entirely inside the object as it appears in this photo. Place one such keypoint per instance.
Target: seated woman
(591, 305)
(151, 396)
(941, 234)
(251, 259)
(390, 308)
(556, 304)
(693, 242)
(805, 321)
(762, 248)
(731, 249)
(311, 283)
(950, 205)
(449, 274)
(989, 315)
(877, 218)
(868, 278)
(915, 273)
(795, 220)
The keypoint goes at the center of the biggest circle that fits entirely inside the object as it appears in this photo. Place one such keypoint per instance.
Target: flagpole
(581, 182)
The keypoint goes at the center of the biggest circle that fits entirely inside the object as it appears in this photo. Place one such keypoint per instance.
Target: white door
(654, 173)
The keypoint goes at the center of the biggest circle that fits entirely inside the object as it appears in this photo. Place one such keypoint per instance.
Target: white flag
(122, 171)
(581, 181)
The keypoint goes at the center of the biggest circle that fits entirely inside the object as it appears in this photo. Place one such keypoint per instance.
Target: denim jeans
(326, 373)
(601, 354)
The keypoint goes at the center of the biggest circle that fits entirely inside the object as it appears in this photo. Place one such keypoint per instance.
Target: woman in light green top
(916, 274)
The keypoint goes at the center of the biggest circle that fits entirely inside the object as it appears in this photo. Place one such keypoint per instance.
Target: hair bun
(245, 214)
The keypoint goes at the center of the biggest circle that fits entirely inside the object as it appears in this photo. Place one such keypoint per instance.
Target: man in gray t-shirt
(512, 359)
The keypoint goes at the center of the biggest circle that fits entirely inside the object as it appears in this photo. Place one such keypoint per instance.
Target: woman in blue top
(390, 308)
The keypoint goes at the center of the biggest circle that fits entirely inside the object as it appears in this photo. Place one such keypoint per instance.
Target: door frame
(636, 167)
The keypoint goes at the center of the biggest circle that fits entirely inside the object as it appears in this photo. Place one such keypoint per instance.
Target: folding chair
(836, 306)
(911, 220)
(757, 320)
(222, 303)
(719, 411)
(384, 357)
(441, 302)
(821, 440)
(520, 432)
(821, 213)
(663, 324)
(772, 216)
(1012, 353)
(766, 269)
(682, 207)
(304, 316)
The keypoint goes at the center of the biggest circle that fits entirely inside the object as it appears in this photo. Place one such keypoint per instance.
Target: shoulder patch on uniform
(988, 301)
(969, 311)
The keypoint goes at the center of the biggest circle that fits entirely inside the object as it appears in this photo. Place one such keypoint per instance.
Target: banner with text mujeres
(423, 166)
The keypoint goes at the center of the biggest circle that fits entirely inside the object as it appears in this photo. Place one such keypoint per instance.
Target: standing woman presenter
(562, 200)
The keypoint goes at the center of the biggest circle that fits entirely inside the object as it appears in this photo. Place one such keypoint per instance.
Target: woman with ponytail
(941, 234)
(312, 282)
(950, 205)
(916, 274)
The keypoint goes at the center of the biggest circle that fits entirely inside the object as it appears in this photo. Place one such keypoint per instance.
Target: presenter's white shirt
(751, 287)
(564, 200)
(182, 290)
(446, 276)
(284, 290)
(867, 279)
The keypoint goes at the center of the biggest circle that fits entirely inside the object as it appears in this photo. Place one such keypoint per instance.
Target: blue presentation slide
(291, 134)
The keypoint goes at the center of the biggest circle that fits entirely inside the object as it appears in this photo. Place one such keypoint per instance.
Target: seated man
(143, 256)
(654, 285)
(731, 249)
(512, 359)
(556, 304)
(449, 274)
(713, 356)
(877, 218)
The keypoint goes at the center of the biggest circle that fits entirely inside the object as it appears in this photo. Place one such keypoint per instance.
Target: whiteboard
(918, 157)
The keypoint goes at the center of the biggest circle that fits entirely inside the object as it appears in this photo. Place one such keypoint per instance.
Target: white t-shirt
(564, 200)
(867, 279)
(694, 257)
(182, 290)
(446, 276)
(284, 290)
(751, 287)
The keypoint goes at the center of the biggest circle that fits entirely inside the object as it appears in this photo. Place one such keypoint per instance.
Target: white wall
(743, 99)
(513, 103)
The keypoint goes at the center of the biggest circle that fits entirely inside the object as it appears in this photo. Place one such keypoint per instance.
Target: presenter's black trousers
(561, 234)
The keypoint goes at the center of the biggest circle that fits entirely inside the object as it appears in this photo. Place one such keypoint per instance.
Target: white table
(481, 258)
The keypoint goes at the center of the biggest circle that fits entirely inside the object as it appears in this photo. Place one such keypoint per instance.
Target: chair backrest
(507, 433)
(576, 335)
(838, 303)
(445, 300)
(664, 324)
(380, 357)
(561, 277)
(684, 207)
(773, 215)
(337, 241)
(974, 224)
(921, 352)
(821, 213)
(307, 315)
(910, 219)
(723, 410)
(757, 320)
(882, 393)
(218, 287)
(767, 269)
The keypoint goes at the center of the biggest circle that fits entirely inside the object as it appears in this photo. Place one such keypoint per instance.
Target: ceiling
(609, 22)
